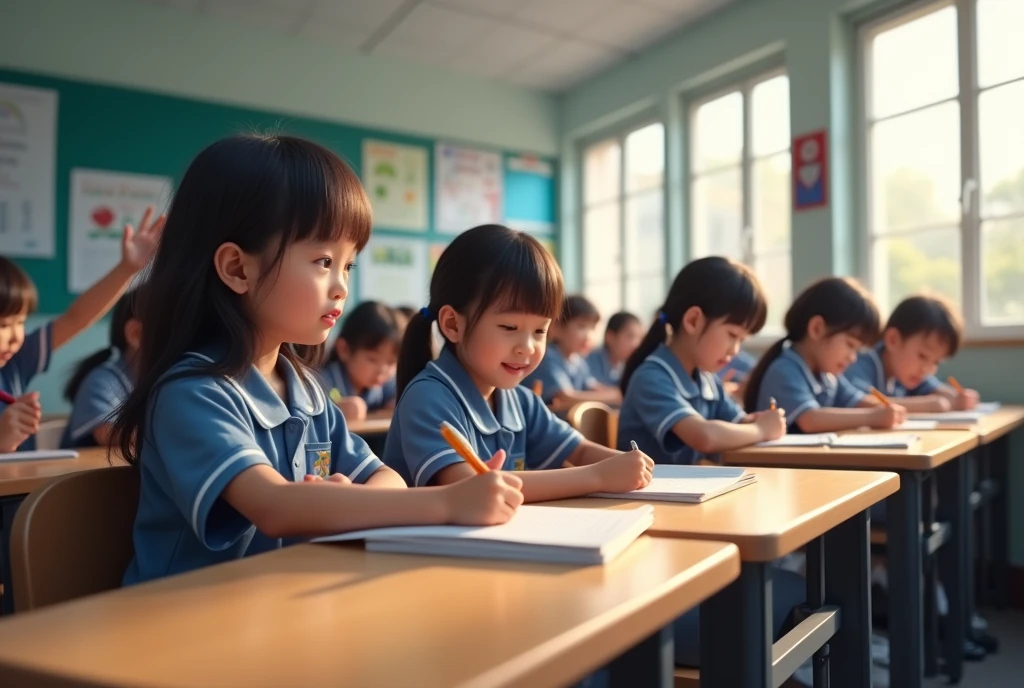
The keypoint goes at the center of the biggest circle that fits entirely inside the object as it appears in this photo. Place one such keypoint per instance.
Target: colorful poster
(395, 178)
(395, 271)
(468, 188)
(810, 171)
(102, 203)
(28, 146)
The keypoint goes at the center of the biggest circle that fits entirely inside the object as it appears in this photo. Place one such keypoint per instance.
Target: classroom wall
(814, 39)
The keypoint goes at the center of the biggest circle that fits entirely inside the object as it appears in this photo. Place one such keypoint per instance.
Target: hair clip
(662, 318)
(425, 312)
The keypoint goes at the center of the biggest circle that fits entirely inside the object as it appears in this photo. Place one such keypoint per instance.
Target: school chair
(49, 434)
(73, 537)
(593, 420)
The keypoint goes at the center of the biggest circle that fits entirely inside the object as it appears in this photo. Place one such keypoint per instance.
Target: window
(623, 222)
(740, 183)
(943, 96)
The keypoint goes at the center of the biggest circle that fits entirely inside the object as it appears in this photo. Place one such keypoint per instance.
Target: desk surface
(370, 426)
(999, 423)
(333, 614)
(782, 511)
(21, 477)
(936, 448)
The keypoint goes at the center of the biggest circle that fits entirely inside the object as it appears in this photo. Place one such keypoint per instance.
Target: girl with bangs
(493, 295)
(238, 449)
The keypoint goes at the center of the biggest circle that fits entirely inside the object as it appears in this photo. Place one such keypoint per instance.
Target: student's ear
(816, 328)
(133, 333)
(891, 338)
(342, 348)
(451, 324)
(693, 320)
(236, 268)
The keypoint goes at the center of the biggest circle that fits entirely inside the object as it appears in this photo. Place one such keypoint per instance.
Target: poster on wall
(28, 141)
(395, 178)
(468, 188)
(102, 203)
(810, 171)
(530, 194)
(394, 271)
(436, 250)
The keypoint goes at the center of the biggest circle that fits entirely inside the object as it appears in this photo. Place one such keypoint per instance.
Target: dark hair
(17, 292)
(619, 322)
(487, 266)
(720, 287)
(263, 193)
(123, 311)
(845, 306)
(369, 325)
(578, 306)
(407, 311)
(928, 315)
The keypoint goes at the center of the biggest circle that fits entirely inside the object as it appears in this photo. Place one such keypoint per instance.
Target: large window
(623, 221)
(944, 99)
(740, 182)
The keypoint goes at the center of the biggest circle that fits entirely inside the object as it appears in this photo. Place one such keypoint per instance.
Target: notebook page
(917, 425)
(987, 407)
(820, 440)
(877, 441)
(39, 455)
(950, 416)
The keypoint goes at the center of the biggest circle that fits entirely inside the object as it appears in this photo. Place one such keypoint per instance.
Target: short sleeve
(425, 405)
(549, 439)
(788, 385)
(659, 404)
(202, 435)
(586, 376)
(350, 455)
(99, 395)
(931, 385)
(847, 395)
(727, 408)
(860, 374)
(390, 392)
(552, 376)
(33, 357)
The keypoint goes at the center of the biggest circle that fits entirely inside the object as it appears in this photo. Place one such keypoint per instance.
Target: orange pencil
(538, 388)
(881, 397)
(462, 447)
(955, 385)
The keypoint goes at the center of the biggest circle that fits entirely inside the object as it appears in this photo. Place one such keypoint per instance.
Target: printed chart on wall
(468, 188)
(28, 138)
(393, 270)
(102, 203)
(395, 177)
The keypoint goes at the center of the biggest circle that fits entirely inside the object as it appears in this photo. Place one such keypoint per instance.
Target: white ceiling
(544, 44)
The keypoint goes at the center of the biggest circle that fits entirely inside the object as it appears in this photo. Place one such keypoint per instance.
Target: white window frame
(970, 164)
(619, 136)
(747, 159)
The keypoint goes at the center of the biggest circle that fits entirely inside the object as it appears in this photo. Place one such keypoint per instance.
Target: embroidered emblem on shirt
(519, 464)
(322, 466)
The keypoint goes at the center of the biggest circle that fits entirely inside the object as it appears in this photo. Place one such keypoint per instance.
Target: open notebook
(850, 441)
(535, 533)
(692, 484)
(959, 417)
(38, 455)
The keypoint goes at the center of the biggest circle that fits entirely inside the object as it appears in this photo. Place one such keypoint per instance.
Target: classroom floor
(1006, 667)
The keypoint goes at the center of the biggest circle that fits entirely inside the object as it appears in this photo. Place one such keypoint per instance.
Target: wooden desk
(783, 511)
(334, 614)
(370, 426)
(948, 454)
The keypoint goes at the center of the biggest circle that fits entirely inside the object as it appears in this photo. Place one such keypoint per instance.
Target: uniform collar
(509, 414)
(688, 386)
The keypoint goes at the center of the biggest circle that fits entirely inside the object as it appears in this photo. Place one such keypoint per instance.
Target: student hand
(497, 461)
(353, 408)
(885, 417)
(137, 247)
(332, 478)
(966, 400)
(489, 499)
(20, 421)
(771, 423)
(624, 472)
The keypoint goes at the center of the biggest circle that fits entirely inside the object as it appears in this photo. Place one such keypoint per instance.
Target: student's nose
(339, 289)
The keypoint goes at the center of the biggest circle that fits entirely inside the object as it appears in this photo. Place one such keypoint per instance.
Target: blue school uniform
(601, 367)
(32, 359)
(868, 371)
(532, 437)
(203, 431)
(797, 390)
(335, 376)
(104, 388)
(561, 374)
(660, 394)
(742, 363)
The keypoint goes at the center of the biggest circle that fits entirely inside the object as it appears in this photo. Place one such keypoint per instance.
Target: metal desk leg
(999, 467)
(954, 495)
(848, 586)
(903, 521)
(736, 632)
(650, 663)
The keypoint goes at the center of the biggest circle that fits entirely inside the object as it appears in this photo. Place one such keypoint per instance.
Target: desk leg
(848, 586)
(999, 467)
(906, 621)
(8, 507)
(954, 494)
(650, 663)
(931, 580)
(736, 632)
(816, 551)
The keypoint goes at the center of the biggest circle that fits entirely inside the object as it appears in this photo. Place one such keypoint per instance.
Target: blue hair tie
(662, 318)
(425, 312)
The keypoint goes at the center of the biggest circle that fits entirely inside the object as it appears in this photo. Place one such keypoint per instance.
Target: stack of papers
(39, 455)
(692, 484)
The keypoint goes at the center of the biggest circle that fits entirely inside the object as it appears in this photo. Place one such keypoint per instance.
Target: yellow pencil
(462, 447)
(335, 395)
(955, 385)
(881, 397)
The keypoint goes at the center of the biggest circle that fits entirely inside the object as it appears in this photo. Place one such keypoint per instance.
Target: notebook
(849, 441)
(917, 424)
(39, 455)
(536, 533)
(693, 484)
(951, 417)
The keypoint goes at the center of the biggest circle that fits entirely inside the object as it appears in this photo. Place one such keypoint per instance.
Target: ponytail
(85, 366)
(657, 334)
(757, 374)
(417, 351)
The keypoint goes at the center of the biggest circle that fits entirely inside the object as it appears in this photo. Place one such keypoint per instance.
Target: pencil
(881, 397)
(955, 385)
(461, 446)
(771, 403)
(335, 395)
(538, 388)
(6, 398)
